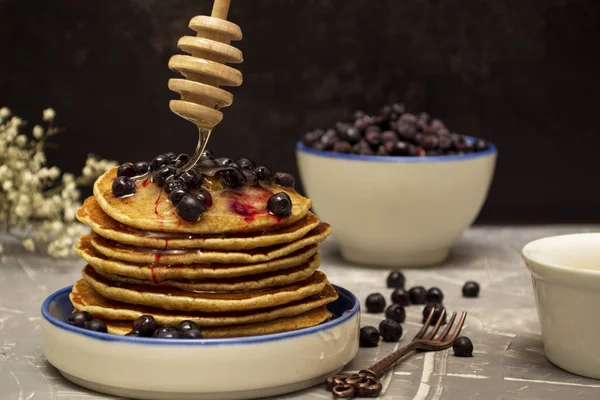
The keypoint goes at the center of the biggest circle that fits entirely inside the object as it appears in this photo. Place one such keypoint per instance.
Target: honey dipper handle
(220, 9)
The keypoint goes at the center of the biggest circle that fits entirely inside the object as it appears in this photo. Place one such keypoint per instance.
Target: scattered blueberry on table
(369, 337)
(375, 303)
(434, 295)
(463, 347)
(396, 279)
(396, 312)
(438, 309)
(470, 289)
(401, 297)
(392, 132)
(390, 330)
(417, 295)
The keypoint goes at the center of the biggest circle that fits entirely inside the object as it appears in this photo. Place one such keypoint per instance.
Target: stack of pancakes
(238, 271)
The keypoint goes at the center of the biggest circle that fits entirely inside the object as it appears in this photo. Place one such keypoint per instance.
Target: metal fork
(366, 383)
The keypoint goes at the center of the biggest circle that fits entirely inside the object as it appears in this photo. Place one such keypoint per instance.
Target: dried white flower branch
(37, 202)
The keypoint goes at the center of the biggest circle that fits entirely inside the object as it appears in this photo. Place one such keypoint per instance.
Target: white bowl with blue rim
(394, 211)
(238, 368)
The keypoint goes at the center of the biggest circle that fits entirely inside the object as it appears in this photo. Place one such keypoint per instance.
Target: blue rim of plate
(344, 296)
(400, 159)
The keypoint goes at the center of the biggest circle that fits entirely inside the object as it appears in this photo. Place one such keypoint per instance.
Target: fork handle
(385, 363)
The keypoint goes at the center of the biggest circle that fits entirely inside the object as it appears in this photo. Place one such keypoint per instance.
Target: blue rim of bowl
(347, 315)
(400, 159)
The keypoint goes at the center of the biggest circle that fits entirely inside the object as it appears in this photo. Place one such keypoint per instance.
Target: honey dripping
(205, 72)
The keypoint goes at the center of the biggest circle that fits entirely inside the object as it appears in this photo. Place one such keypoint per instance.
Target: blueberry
(223, 161)
(387, 111)
(263, 173)
(373, 138)
(176, 195)
(192, 334)
(341, 127)
(428, 141)
(389, 136)
(163, 174)
(445, 142)
(390, 330)
(174, 184)
(204, 196)
(417, 295)
(186, 325)
(396, 312)
(280, 205)
(369, 336)
(400, 148)
(96, 325)
(406, 131)
(381, 151)
(283, 179)
(145, 325)
(133, 333)
(438, 309)
(207, 163)
(375, 303)
(160, 162)
(191, 178)
(251, 178)
(351, 135)
(342, 147)
(401, 297)
(190, 208)
(162, 329)
(123, 186)
(79, 318)
(470, 289)
(463, 347)
(366, 152)
(231, 178)
(309, 139)
(246, 163)
(168, 334)
(372, 129)
(126, 169)
(327, 140)
(398, 108)
(358, 114)
(462, 144)
(396, 279)
(181, 160)
(481, 145)
(434, 295)
(141, 167)
(416, 151)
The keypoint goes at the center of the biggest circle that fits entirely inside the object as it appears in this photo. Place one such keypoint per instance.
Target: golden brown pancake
(306, 320)
(84, 298)
(118, 251)
(160, 273)
(251, 282)
(183, 300)
(92, 215)
(150, 209)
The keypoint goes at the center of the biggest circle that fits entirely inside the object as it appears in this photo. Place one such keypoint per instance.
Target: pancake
(160, 273)
(93, 216)
(251, 282)
(306, 320)
(118, 251)
(84, 298)
(149, 208)
(213, 302)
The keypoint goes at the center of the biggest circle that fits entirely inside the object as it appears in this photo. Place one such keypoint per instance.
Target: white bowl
(240, 368)
(566, 284)
(396, 211)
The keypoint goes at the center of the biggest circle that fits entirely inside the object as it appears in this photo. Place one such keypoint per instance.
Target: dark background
(524, 74)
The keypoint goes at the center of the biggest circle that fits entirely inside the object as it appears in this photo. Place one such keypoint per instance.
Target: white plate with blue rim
(238, 368)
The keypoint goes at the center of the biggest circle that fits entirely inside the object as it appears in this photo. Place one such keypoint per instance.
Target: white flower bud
(48, 114)
(7, 185)
(54, 172)
(38, 132)
(87, 171)
(5, 112)
(68, 178)
(16, 121)
(29, 244)
(21, 140)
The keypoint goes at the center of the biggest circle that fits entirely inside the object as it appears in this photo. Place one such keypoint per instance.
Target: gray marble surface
(508, 361)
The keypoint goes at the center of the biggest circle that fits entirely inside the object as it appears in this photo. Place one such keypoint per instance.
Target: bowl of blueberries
(398, 188)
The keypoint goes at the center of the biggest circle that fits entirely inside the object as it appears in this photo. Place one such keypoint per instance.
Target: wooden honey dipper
(204, 70)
